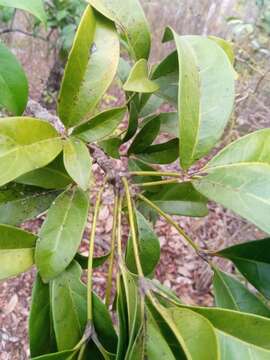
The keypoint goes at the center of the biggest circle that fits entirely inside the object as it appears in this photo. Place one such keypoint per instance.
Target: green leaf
(137, 351)
(132, 122)
(253, 261)
(35, 7)
(26, 144)
(100, 126)
(138, 80)
(149, 105)
(41, 335)
(238, 177)
(169, 123)
(78, 162)
(68, 302)
(97, 261)
(205, 97)
(13, 82)
(123, 70)
(164, 153)
(96, 45)
(52, 176)
(248, 332)
(138, 165)
(180, 199)
(232, 294)
(190, 337)
(122, 316)
(145, 137)
(62, 355)
(19, 203)
(16, 251)
(226, 46)
(149, 247)
(111, 147)
(129, 16)
(61, 233)
(156, 344)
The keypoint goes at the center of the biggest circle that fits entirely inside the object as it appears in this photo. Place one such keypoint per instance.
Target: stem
(133, 228)
(154, 173)
(171, 222)
(154, 183)
(119, 233)
(81, 353)
(113, 240)
(91, 254)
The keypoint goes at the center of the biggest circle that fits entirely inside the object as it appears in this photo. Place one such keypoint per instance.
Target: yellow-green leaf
(90, 69)
(129, 16)
(26, 144)
(16, 251)
(78, 162)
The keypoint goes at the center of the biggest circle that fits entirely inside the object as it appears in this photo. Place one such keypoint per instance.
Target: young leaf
(34, 7)
(129, 16)
(100, 126)
(13, 82)
(180, 199)
(68, 302)
(165, 153)
(149, 247)
(253, 260)
(145, 137)
(61, 233)
(52, 176)
(19, 203)
(238, 177)
(78, 162)
(138, 80)
(16, 251)
(232, 294)
(203, 110)
(41, 335)
(26, 144)
(247, 332)
(96, 45)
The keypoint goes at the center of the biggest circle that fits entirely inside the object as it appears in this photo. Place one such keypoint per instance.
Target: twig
(155, 173)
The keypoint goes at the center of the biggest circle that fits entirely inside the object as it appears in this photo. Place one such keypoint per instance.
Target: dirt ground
(179, 268)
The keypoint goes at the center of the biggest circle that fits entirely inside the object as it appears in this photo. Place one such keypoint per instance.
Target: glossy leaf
(78, 162)
(19, 203)
(164, 153)
(253, 261)
(97, 46)
(129, 16)
(145, 137)
(40, 326)
(68, 302)
(149, 247)
(35, 7)
(238, 177)
(250, 330)
(61, 233)
(52, 176)
(26, 144)
(205, 97)
(138, 80)
(100, 126)
(13, 82)
(180, 199)
(232, 294)
(16, 251)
